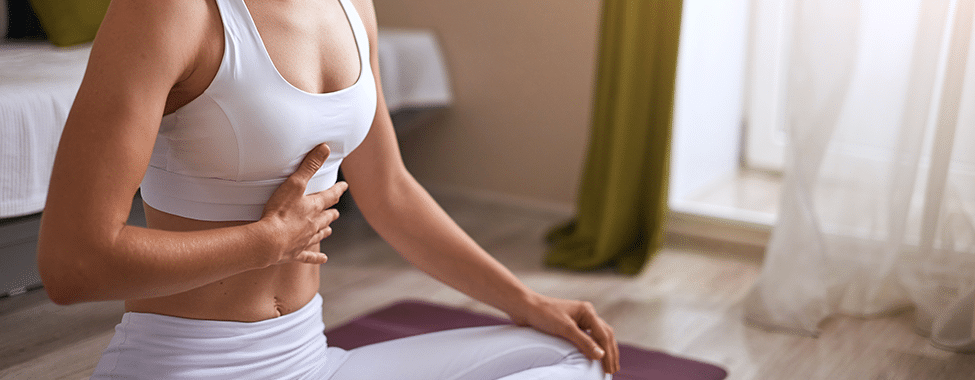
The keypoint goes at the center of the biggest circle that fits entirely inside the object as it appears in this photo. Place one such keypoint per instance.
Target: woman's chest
(308, 44)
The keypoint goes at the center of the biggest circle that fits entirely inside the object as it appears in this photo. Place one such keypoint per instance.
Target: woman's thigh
(488, 353)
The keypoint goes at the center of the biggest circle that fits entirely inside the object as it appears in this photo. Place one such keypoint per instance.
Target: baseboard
(728, 226)
(697, 222)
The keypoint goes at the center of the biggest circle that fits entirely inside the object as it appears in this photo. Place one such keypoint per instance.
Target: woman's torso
(312, 46)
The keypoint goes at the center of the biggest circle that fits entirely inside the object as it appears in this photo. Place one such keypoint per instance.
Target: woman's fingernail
(600, 352)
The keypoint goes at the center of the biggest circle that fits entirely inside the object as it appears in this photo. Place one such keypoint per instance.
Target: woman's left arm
(405, 215)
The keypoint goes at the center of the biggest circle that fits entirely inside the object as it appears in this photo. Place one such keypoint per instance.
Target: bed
(37, 85)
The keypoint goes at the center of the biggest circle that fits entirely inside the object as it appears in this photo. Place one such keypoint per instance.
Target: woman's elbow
(66, 275)
(59, 290)
(60, 294)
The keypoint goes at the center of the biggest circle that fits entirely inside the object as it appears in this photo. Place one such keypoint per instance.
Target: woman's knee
(549, 357)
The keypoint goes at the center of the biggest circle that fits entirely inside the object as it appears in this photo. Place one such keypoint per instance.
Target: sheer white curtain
(878, 202)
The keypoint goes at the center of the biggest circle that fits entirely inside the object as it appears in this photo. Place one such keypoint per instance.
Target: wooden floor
(684, 303)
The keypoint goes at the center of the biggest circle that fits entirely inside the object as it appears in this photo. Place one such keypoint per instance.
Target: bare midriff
(250, 296)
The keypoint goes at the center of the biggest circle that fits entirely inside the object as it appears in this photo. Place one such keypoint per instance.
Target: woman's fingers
(600, 342)
(322, 233)
(584, 343)
(311, 257)
(584, 319)
(329, 197)
(303, 220)
(329, 216)
(602, 335)
(325, 219)
(578, 323)
(605, 337)
(294, 186)
(310, 165)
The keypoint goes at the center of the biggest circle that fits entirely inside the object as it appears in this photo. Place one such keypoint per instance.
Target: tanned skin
(150, 58)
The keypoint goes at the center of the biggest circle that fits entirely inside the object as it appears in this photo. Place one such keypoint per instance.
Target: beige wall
(522, 73)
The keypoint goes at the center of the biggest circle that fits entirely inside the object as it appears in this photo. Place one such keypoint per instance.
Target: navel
(278, 309)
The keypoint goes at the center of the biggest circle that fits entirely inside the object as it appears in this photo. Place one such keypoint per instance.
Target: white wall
(708, 106)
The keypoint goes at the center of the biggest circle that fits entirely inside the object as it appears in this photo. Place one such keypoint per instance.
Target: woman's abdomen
(250, 296)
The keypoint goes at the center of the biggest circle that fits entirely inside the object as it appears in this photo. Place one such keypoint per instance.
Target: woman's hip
(154, 346)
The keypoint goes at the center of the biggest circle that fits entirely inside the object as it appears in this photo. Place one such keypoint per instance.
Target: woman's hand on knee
(577, 322)
(298, 221)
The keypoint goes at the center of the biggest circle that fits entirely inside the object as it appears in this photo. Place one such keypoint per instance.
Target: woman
(235, 116)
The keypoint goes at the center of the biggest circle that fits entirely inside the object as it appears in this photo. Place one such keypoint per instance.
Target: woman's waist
(304, 317)
(247, 297)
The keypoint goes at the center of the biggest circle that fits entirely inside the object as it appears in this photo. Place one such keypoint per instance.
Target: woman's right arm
(85, 250)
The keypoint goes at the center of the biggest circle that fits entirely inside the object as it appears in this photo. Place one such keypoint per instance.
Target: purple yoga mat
(408, 318)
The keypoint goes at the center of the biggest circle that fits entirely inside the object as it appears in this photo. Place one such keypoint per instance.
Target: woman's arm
(85, 251)
(405, 215)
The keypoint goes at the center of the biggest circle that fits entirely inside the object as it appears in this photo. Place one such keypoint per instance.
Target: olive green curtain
(622, 201)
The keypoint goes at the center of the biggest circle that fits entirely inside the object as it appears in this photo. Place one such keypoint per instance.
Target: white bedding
(38, 82)
(413, 70)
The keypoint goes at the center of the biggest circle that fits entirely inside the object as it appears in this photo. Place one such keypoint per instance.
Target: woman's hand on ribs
(577, 322)
(299, 220)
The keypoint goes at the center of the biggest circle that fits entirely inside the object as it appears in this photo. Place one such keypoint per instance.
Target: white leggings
(152, 346)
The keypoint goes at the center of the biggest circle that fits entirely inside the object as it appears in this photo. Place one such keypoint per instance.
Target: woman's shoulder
(162, 15)
(172, 23)
(168, 32)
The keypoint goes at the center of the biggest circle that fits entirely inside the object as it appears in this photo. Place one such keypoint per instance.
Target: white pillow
(4, 19)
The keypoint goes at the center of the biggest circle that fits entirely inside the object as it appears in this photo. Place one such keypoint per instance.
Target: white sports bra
(221, 156)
